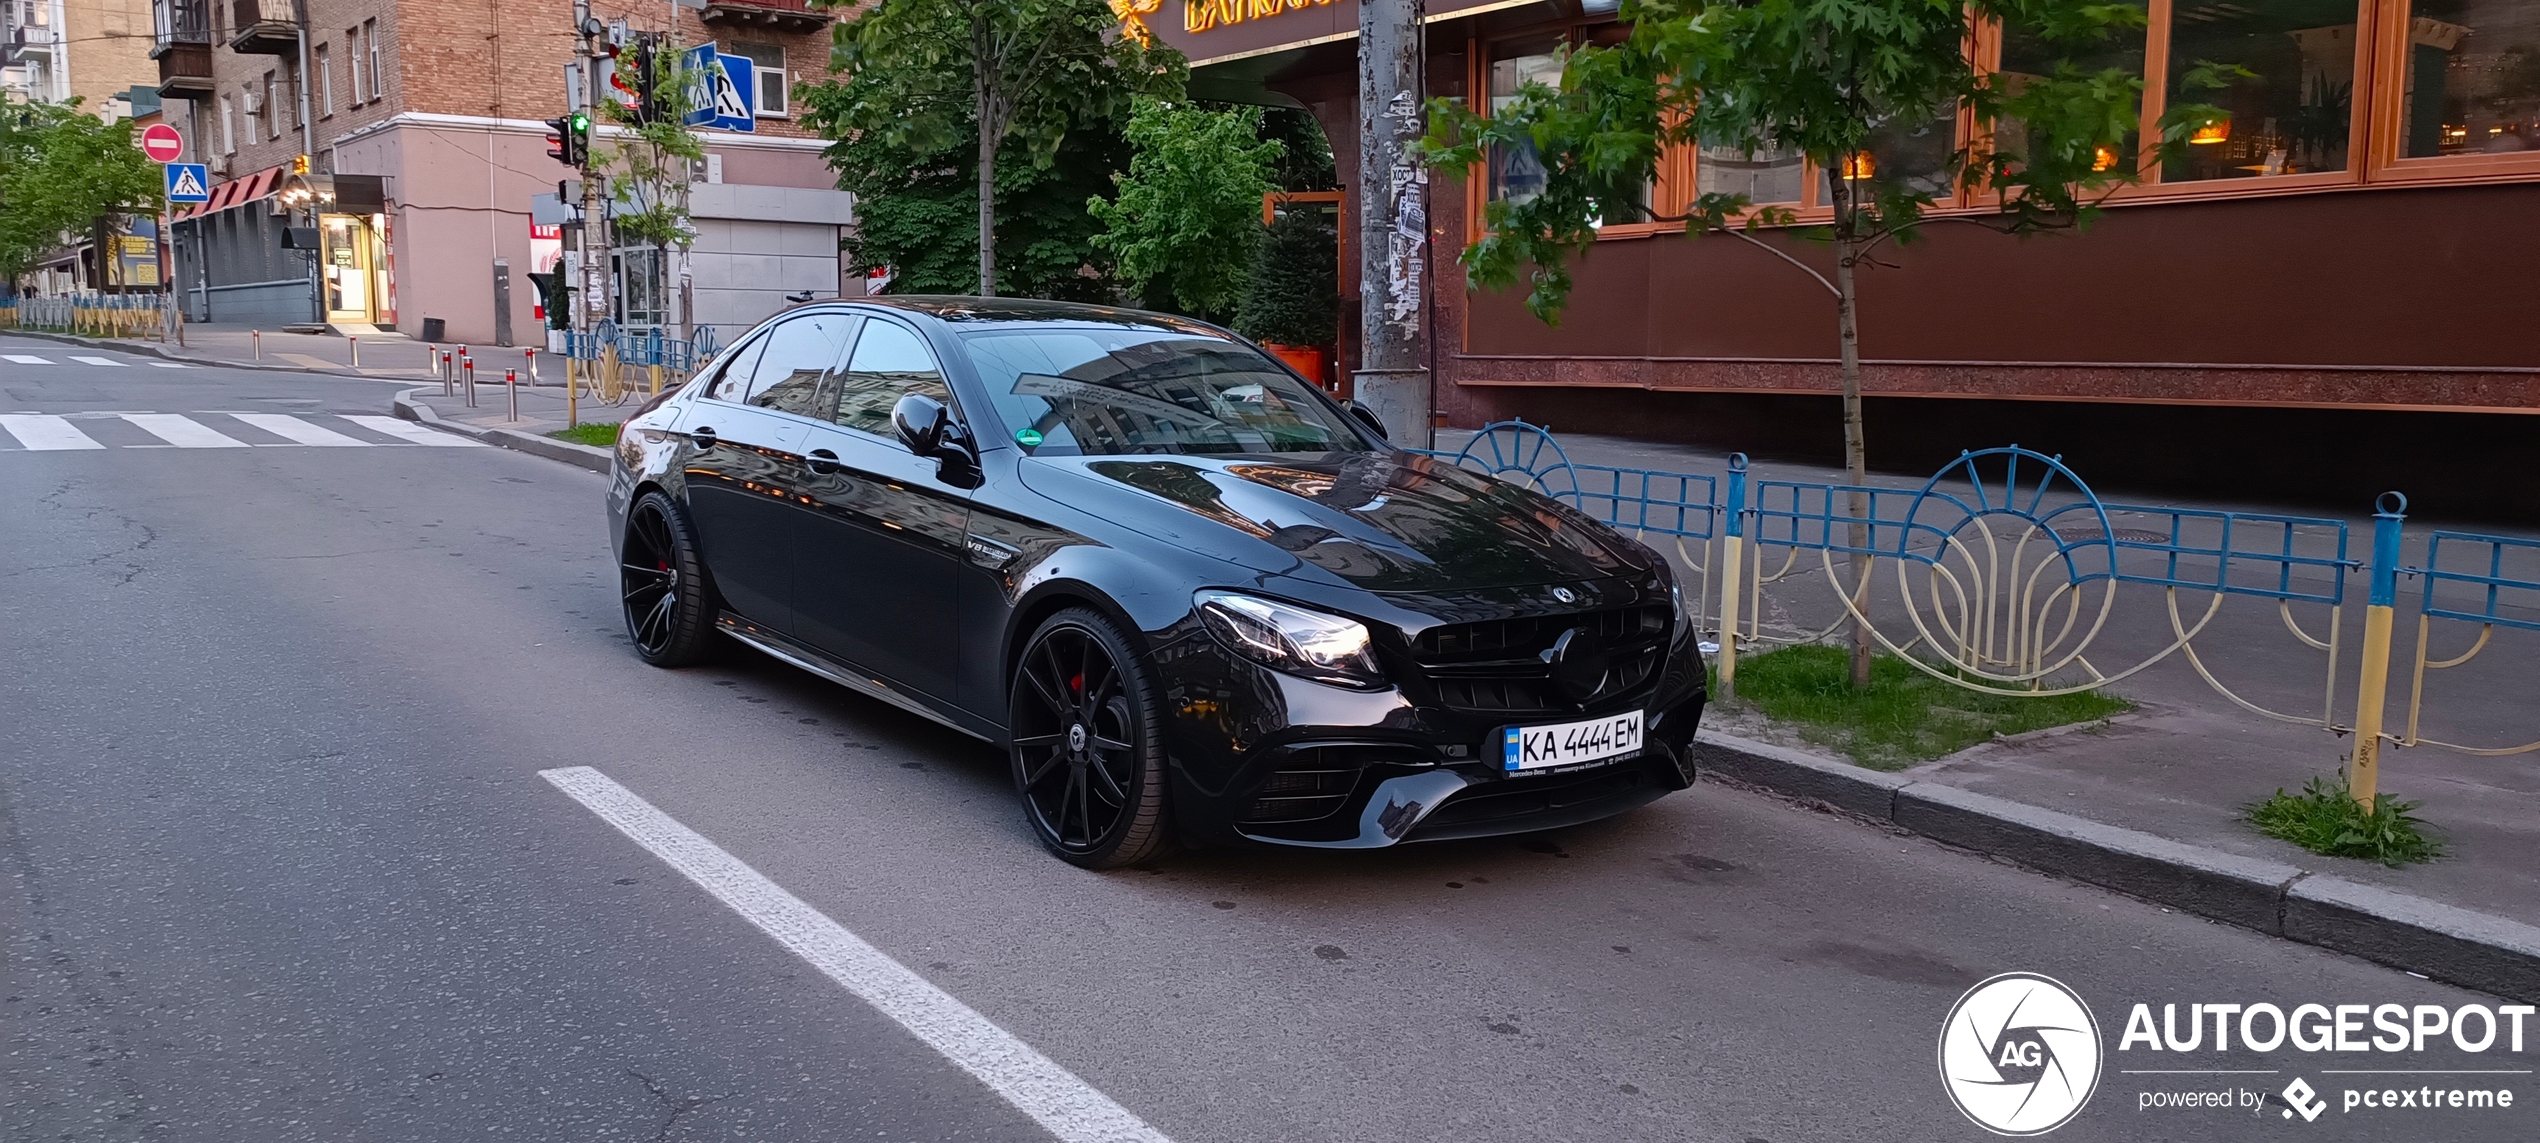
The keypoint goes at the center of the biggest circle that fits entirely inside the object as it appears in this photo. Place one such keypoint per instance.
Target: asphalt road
(282, 867)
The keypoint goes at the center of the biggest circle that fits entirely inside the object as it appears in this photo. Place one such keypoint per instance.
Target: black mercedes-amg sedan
(1192, 597)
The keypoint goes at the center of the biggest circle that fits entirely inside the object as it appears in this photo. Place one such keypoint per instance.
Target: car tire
(668, 602)
(1086, 733)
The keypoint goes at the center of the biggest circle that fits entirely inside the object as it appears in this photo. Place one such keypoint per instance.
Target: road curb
(579, 455)
(2445, 942)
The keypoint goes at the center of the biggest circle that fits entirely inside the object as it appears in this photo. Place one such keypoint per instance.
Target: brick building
(427, 119)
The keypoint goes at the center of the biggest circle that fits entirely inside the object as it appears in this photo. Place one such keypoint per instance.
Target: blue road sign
(726, 95)
(188, 182)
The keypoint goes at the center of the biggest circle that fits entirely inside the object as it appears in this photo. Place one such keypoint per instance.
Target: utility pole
(1393, 222)
(594, 74)
(308, 151)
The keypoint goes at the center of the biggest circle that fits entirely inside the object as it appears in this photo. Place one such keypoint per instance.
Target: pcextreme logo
(2019, 1054)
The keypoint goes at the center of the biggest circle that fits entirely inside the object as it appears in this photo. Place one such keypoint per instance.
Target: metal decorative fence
(600, 358)
(93, 315)
(2001, 573)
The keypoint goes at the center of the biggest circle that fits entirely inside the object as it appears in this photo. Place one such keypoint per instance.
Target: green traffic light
(578, 121)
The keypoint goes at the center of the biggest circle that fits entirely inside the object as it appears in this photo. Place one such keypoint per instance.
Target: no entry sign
(162, 143)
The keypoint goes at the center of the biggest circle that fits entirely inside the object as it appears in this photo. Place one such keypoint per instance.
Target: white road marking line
(1069, 1107)
(38, 431)
(25, 358)
(181, 431)
(166, 364)
(98, 361)
(413, 433)
(298, 431)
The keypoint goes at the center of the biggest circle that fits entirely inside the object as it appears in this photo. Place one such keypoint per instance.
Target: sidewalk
(387, 356)
(2183, 765)
(542, 407)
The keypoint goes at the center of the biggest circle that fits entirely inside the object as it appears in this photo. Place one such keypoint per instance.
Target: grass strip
(1904, 716)
(597, 436)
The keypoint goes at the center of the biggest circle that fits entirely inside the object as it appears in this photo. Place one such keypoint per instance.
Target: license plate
(1570, 743)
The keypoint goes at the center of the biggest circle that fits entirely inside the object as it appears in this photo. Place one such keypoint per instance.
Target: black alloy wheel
(1088, 748)
(669, 611)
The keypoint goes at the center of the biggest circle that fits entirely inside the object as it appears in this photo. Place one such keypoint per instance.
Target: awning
(236, 192)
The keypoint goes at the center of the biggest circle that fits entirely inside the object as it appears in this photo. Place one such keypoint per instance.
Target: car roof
(1037, 311)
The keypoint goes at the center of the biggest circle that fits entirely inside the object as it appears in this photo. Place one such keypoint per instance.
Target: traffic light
(568, 138)
(299, 164)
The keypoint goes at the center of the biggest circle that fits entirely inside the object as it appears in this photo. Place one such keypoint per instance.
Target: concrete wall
(756, 244)
(264, 304)
(458, 199)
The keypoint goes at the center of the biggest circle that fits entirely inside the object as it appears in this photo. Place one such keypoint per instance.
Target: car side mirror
(920, 421)
(1368, 417)
(929, 430)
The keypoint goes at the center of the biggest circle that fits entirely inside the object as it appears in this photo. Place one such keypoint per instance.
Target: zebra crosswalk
(84, 359)
(67, 432)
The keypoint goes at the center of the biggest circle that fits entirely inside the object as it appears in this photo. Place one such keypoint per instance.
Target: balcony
(765, 15)
(183, 46)
(262, 27)
(28, 41)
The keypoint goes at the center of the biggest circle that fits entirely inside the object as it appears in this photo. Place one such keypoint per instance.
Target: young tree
(1294, 295)
(1188, 215)
(919, 214)
(64, 172)
(921, 75)
(650, 158)
(1827, 80)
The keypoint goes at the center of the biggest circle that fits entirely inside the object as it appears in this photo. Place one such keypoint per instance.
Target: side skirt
(787, 651)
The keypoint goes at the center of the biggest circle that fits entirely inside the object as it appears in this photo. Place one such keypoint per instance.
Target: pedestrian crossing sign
(722, 92)
(188, 182)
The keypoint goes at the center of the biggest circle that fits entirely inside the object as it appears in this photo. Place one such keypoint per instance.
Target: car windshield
(1112, 391)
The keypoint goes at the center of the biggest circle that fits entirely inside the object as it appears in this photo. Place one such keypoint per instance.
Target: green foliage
(596, 436)
(63, 172)
(1188, 213)
(2326, 819)
(1821, 78)
(1305, 163)
(1904, 716)
(923, 81)
(649, 160)
(1294, 295)
(923, 221)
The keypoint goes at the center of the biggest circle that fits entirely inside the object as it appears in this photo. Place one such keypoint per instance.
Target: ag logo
(2019, 1054)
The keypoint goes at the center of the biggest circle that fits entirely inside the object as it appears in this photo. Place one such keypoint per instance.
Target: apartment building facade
(423, 127)
(90, 50)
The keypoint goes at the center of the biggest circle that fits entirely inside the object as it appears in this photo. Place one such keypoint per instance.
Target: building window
(370, 46)
(228, 128)
(1516, 172)
(2293, 114)
(2472, 79)
(2026, 56)
(267, 112)
(767, 65)
(325, 82)
(353, 62)
(1768, 175)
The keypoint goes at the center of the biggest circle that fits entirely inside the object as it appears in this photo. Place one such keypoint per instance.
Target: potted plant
(1292, 305)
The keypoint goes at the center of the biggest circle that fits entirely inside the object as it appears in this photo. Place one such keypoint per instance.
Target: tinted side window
(889, 361)
(733, 383)
(799, 353)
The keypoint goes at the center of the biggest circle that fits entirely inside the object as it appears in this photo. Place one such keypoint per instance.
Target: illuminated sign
(1202, 15)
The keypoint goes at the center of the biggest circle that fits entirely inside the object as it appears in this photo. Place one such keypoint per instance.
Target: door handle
(703, 435)
(821, 461)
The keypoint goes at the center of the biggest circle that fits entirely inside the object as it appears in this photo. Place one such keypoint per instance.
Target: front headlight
(1283, 637)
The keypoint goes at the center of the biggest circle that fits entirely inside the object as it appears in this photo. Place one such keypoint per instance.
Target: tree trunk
(987, 110)
(987, 211)
(1855, 452)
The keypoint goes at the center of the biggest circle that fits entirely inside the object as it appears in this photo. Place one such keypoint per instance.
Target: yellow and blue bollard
(1732, 570)
(2363, 773)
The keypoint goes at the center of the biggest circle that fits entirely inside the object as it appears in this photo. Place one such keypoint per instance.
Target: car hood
(1391, 522)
